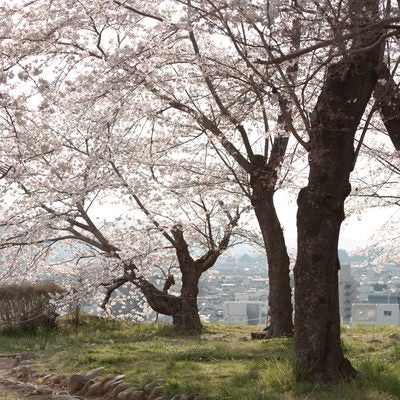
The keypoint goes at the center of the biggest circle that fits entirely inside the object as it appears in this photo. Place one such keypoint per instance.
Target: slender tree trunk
(263, 181)
(345, 94)
(279, 300)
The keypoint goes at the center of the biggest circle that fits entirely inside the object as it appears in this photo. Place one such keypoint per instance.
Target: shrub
(28, 307)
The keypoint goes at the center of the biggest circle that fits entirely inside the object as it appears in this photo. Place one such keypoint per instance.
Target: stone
(125, 394)
(176, 397)
(150, 386)
(64, 383)
(63, 397)
(95, 389)
(394, 336)
(76, 383)
(17, 361)
(158, 391)
(186, 396)
(22, 371)
(95, 373)
(38, 375)
(112, 382)
(43, 389)
(86, 386)
(25, 387)
(30, 386)
(119, 388)
(56, 380)
(46, 378)
(28, 355)
(138, 395)
(25, 362)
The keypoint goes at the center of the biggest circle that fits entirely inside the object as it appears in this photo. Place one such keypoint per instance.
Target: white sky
(357, 230)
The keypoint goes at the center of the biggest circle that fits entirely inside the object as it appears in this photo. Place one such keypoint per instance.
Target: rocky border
(93, 385)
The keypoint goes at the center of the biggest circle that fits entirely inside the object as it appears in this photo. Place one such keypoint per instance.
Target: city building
(376, 314)
(245, 313)
(348, 292)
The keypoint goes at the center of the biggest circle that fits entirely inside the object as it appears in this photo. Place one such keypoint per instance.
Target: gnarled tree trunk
(182, 309)
(187, 318)
(340, 106)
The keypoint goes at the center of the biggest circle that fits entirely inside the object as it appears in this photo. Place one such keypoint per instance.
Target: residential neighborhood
(236, 292)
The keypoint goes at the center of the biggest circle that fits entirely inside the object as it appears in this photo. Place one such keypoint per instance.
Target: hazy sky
(357, 230)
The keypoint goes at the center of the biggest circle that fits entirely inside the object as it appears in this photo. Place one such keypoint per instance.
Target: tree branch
(136, 11)
(142, 206)
(218, 100)
(387, 96)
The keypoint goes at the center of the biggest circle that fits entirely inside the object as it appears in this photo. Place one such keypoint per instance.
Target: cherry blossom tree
(245, 116)
(168, 59)
(349, 57)
(247, 79)
(177, 214)
(377, 183)
(344, 98)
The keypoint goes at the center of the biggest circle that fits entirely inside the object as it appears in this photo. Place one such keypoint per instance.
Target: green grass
(220, 364)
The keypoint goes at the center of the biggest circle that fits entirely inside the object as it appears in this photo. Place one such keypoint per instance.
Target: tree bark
(279, 300)
(340, 106)
(187, 319)
(182, 309)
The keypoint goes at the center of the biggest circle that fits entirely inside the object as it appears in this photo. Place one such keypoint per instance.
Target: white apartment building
(245, 313)
(375, 314)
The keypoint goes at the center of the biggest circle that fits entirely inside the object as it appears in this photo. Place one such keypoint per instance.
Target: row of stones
(62, 387)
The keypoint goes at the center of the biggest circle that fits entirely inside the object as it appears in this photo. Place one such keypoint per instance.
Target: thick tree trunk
(186, 319)
(159, 301)
(317, 322)
(345, 94)
(279, 300)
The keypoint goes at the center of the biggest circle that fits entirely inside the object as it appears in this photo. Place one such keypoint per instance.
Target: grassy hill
(220, 364)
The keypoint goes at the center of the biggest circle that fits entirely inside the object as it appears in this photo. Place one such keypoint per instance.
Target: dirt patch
(8, 391)
(5, 365)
